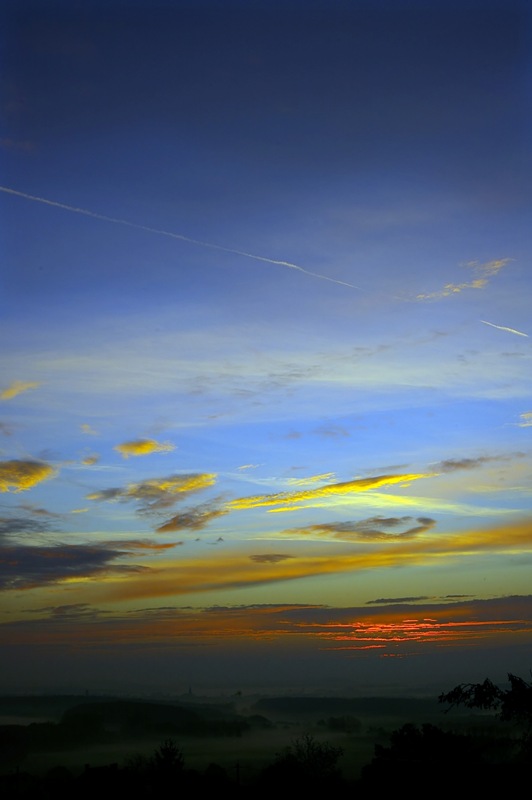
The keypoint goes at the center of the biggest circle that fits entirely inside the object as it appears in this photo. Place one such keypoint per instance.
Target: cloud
(371, 529)
(38, 511)
(22, 524)
(504, 328)
(27, 567)
(454, 464)
(526, 420)
(310, 480)
(269, 558)
(393, 600)
(90, 460)
(483, 272)
(179, 236)
(409, 629)
(234, 569)
(5, 429)
(156, 493)
(18, 476)
(332, 432)
(194, 519)
(344, 488)
(143, 447)
(16, 388)
(86, 428)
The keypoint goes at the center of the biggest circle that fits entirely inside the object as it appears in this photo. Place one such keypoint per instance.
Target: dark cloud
(194, 519)
(292, 435)
(72, 611)
(25, 567)
(5, 429)
(154, 494)
(387, 600)
(22, 524)
(332, 432)
(370, 529)
(453, 464)
(38, 511)
(269, 558)
(106, 494)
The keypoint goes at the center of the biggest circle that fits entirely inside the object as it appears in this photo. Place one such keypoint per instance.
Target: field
(274, 724)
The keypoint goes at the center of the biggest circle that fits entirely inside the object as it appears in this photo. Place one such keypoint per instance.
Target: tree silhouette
(512, 705)
(306, 763)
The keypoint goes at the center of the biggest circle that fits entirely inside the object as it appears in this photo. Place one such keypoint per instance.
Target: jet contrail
(503, 328)
(183, 238)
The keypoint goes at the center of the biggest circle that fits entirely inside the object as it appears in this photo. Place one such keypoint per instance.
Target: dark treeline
(416, 756)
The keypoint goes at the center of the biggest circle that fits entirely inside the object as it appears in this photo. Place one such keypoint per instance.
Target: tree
(306, 763)
(512, 705)
(168, 758)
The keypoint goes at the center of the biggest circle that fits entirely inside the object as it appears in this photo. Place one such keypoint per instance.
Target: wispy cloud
(231, 570)
(526, 419)
(16, 388)
(18, 476)
(456, 464)
(337, 489)
(270, 558)
(369, 530)
(194, 519)
(156, 493)
(484, 273)
(12, 525)
(86, 428)
(310, 480)
(143, 447)
(504, 328)
(179, 236)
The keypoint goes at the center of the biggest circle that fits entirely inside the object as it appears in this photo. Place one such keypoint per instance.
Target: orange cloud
(16, 388)
(334, 630)
(143, 447)
(227, 571)
(17, 476)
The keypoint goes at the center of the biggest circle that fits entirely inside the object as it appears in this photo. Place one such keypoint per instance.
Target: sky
(265, 373)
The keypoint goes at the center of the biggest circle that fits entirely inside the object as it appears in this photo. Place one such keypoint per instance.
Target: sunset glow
(266, 375)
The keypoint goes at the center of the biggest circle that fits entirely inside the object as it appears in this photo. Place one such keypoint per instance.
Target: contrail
(180, 236)
(503, 328)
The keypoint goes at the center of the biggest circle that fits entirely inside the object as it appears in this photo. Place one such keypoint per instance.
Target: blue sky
(265, 401)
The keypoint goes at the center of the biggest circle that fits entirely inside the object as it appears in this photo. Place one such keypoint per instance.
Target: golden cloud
(85, 428)
(17, 476)
(311, 479)
(16, 388)
(485, 271)
(157, 492)
(343, 488)
(175, 484)
(143, 447)
(238, 570)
